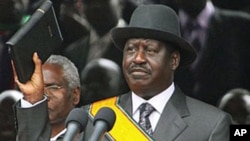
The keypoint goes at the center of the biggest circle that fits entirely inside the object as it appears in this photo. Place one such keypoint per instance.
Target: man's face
(60, 97)
(148, 66)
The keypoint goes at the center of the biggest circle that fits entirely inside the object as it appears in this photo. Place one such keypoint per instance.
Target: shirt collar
(58, 135)
(202, 19)
(158, 102)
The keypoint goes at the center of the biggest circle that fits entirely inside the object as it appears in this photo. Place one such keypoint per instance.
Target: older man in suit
(61, 89)
(155, 108)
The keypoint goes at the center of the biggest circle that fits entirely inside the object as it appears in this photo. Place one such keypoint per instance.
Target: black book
(41, 34)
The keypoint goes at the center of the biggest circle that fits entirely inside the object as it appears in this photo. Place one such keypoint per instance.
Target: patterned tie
(145, 110)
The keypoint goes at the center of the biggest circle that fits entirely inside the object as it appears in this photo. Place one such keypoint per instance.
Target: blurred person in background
(100, 79)
(221, 38)
(236, 102)
(72, 22)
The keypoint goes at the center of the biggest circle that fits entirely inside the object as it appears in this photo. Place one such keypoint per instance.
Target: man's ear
(175, 58)
(76, 96)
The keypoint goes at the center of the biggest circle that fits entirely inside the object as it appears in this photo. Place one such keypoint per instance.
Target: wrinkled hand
(34, 88)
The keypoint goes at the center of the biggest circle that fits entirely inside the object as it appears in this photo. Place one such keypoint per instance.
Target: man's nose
(140, 57)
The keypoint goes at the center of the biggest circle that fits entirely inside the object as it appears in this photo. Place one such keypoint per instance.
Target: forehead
(52, 70)
(169, 47)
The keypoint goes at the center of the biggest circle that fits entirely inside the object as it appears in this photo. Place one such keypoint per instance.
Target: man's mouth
(138, 73)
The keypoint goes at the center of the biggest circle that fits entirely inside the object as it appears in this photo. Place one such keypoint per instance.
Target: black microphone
(103, 121)
(75, 123)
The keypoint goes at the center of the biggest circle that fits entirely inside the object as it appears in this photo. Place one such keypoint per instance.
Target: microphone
(103, 121)
(75, 123)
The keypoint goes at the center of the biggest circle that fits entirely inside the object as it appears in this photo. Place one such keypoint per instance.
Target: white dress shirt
(59, 134)
(158, 102)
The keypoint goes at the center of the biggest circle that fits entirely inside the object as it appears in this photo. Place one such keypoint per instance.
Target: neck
(147, 97)
(56, 129)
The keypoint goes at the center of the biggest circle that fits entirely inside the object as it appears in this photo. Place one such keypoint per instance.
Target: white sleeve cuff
(26, 104)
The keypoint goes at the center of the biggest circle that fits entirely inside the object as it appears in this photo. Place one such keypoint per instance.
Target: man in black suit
(222, 41)
(152, 50)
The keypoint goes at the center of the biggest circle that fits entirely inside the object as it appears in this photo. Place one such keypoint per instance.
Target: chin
(138, 84)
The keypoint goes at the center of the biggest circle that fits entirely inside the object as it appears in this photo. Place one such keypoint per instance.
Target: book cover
(41, 34)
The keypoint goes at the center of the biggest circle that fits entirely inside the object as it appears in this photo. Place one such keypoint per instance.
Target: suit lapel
(171, 123)
(125, 101)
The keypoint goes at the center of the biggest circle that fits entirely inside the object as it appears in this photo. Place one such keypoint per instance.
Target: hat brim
(121, 35)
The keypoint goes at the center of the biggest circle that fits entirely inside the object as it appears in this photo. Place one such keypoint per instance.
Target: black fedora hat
(157, 22)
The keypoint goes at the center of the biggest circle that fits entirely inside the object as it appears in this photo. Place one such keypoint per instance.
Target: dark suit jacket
(32, 123)
(183, 119)
(223, 62)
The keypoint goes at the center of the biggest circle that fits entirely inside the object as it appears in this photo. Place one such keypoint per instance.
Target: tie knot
(146, 109)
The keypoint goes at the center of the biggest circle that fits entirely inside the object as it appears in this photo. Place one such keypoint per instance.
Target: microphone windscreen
(106, 114)
(77, 115)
